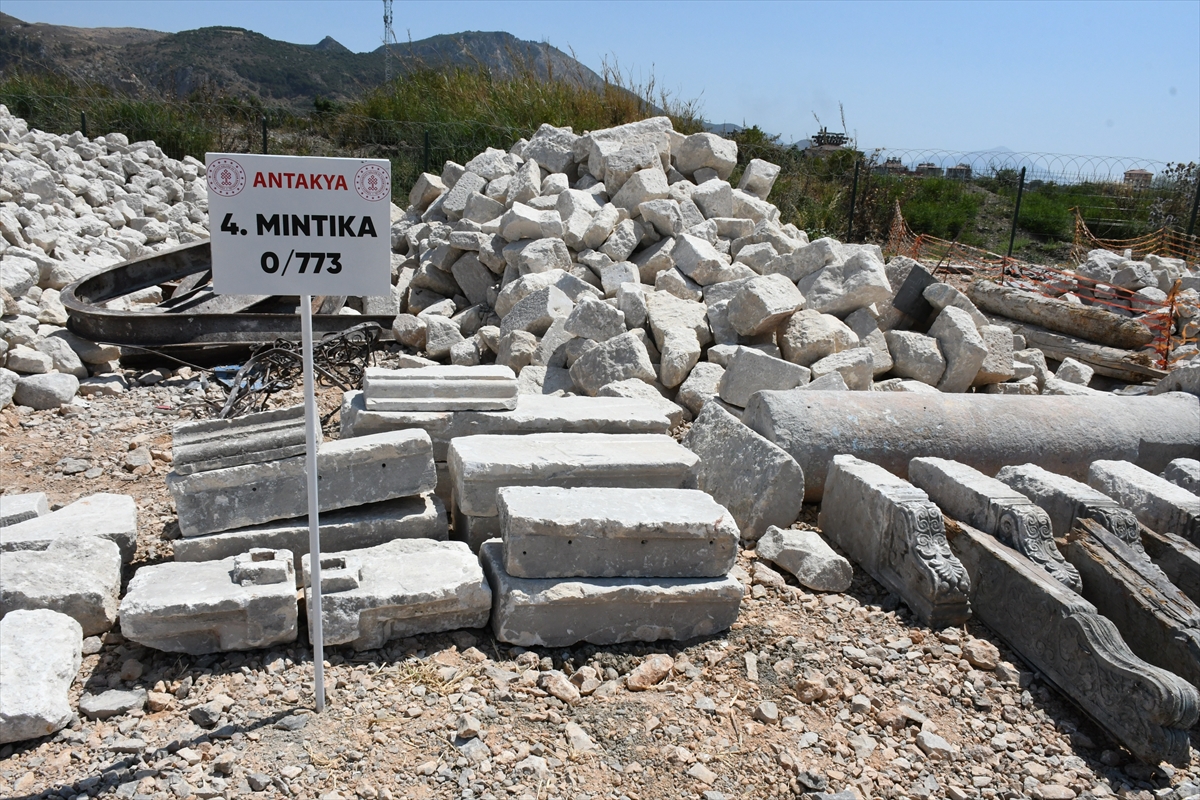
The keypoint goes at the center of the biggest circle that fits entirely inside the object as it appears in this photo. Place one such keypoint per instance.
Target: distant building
(825, 142)
(1138, 178)
(959, 172)
(928, 169)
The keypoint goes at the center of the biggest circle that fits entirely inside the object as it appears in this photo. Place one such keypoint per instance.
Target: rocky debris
(806, 555)
(42, 654)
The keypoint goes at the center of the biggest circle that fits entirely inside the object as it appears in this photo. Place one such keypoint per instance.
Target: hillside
(239, 62)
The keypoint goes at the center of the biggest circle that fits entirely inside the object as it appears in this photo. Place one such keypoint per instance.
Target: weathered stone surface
(941, 295)
(523, 222)
(79, 576)
(632, 387)
(997, 365)
(239, 603)
(595, 319)
(1066, 501)
(366, 469)
(758, 482)
(699, 260)
(251, 439)
(806, 555)
(1073, 371)
(1065, 638)
(602, 532)
(668, 312)
(916, 356)
(402, 588)
(962, 347)
(537, 311)
(896, 534)
(758, 178)
(855, 366)
(107, 516)
(481, 465)
(617, 359)
(1184, 473)
(112, 703)
(16, 508)
(368, 525)
(1159, 504)
(843, 287)
(966, 494)
(680, 352)
(559, 613)
(702, 150)
(1178, 558)
(42, 654)
(1062, 434)
(810, 336)
(441, 335)
(643, 185)
(43, 392)
(762, 303)
(702, 384)
(450, 388)
(751, 370)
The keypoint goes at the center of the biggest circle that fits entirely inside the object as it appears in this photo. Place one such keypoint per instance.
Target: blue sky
(1097, 78)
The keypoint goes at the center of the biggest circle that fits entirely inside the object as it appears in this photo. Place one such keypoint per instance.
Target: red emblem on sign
(371, 183)
(226, 177)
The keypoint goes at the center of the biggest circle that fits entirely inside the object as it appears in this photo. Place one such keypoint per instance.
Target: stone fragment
(810, 336)
(702, 384)
(897, 535)
(402, 588)
(106, 516)
(559, 613)
(481, 465)
(762, 303)
(240, 603)
(614, 276)
(966, 494)
(941, 295)
(758, 178)
(44, 392)
(367, 469)
(698, 259)
(617, 359)
(962, 347)
(855, 366)
(596, 320)
(680, 351)
(251, 439)
(524, 222)
(714, 198)
(79, 576)
(537, 311)
(602, 532)
(552, 147)
(806, 555)
(668, 312)
(702, 150)
(1073, 371)
(1159, 504)
(916, 356)
(1183, 472)
(16, 508)
(1066, 501)
(634, 388)
(997, 366)
(841, 288)
(655, 259)
(452, 388)
(28, 361)
(650, 672)
(643, 185)
(516, 350)
(454, 202)
(426, 189)
(759, 483)
(750, 370)
(42, 654)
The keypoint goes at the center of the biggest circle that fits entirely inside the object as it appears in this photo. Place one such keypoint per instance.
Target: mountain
(240, 62)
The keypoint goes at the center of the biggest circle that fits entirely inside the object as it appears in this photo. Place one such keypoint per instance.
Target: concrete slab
(239, 603)
(250, 439)
(368, 525)
(16, 508)
(107, 516)
(443, 388)
(367, 469)
(481, 465)
(1159, 504)
(42, 653)
(601, 532)
(402, 588)
(79, 576)
(560, 613)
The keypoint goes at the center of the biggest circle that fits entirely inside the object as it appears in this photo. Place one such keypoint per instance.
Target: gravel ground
(807, 692)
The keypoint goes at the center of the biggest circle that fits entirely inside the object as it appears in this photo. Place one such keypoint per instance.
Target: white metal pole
(314, 525)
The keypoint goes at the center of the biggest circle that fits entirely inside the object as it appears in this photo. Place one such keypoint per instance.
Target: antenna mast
(389, 39)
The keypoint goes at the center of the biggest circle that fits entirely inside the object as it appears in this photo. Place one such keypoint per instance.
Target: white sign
(296, 225)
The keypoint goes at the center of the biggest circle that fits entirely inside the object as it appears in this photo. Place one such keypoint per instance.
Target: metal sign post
(298, 226)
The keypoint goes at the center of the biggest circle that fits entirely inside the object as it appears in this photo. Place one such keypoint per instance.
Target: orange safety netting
(1168, 320)
(1162, 242)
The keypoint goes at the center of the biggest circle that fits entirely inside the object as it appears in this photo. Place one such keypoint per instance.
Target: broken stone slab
(561, 612)
(450, 388)
(402, 588)
(1066, 639)
(1066, 501)
(940, 295)
(986, 431)
(702, 384)
(251, 439)
(967, 495)
(916, 356)
(762, 303)
(632, 387)
(750, 370)
(962, 347)
(856, 367)
(1157, 620)
(1178, 558)
(355, 528)
(79, 576)
(757, 481)
(365, 469)
(806, 555)
(758, 178)
(997, 366)
(106, 516)
(240, 603)
(481, 465)
(617, 359)
(1184, 473)
(602, 532)
(533, 414)
(1159, 504)
(43, 651)
(896, 534)
(841, 288)
(810, 336)
(16, 508)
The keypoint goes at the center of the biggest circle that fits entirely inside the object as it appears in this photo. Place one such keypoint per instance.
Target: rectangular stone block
(443, 388)
(403, 588)
(16, 508)
(240, 603)
(1159, 504)
(473, 530)
(1064, 637)
(42, 654)
(79, 576)
(562, 612)
(369, 525)
(1066, 501)
(106, 516)
(896, 534)
(533, 414)
(750, 371)
(481, 465)
(966, 494)
(251, 439)
(352, 472)
(600, 532)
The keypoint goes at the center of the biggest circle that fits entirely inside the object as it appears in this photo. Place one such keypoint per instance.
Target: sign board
(296, 225)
